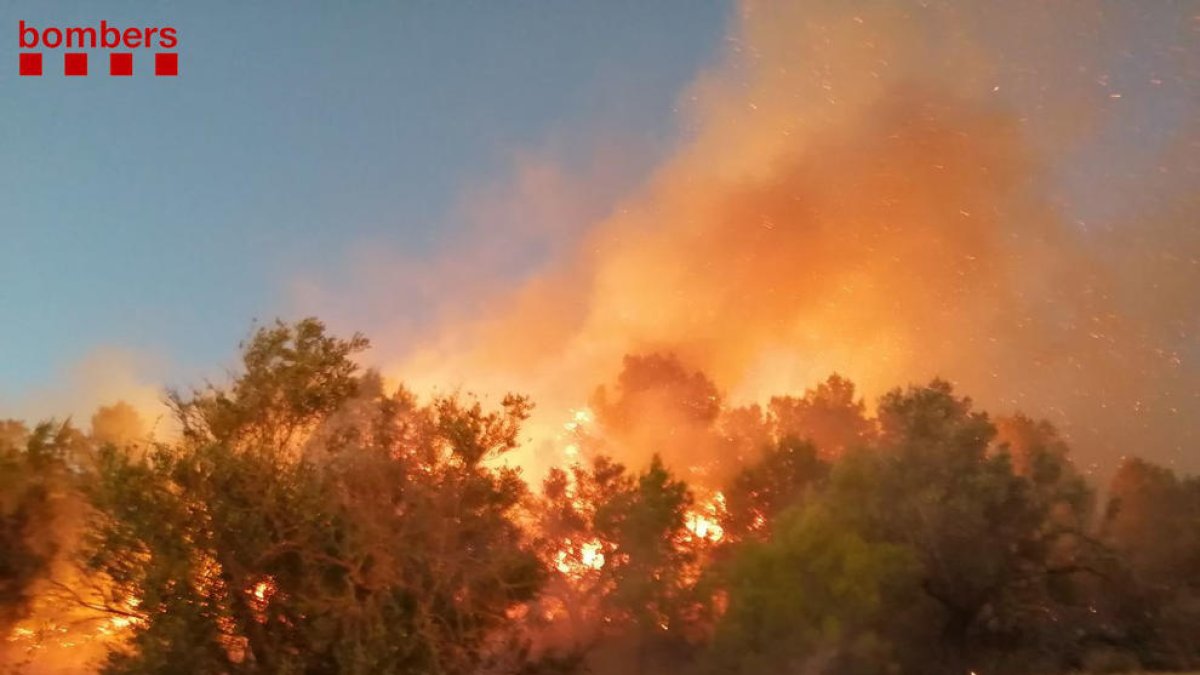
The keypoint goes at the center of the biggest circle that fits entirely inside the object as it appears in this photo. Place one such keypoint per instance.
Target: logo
(123, 44)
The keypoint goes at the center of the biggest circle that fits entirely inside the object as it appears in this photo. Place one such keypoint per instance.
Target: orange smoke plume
(857, 194)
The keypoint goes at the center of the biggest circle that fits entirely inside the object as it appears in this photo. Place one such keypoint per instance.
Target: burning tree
(34, 478)
(310, 519)
(279, 536)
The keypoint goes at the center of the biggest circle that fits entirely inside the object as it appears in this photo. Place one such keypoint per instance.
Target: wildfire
(117, 624)
(591, 555)
(573, 428)
(260, 597)
(263, 590)
(574, 560)
(579, 418)
(705, 522)
(705, 528)
(61, 634)
(760, 521)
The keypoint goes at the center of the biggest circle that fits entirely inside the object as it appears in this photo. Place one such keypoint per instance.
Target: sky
(162, 216)
(518, 193)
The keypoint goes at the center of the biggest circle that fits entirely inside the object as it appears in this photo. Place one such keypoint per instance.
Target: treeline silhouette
(306, 519)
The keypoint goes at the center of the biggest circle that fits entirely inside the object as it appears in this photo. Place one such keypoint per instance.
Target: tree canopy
(311, 519)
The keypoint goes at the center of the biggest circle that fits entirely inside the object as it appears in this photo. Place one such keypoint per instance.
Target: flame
(262, 590)
(260, 597)
(705, 528)
(570, 438)
(836, 204)
(591, 555)
(574, 560)
(61, 635)
(573, 431)
(705, 522)
(118, 624)
(760, 521)
(579, 418)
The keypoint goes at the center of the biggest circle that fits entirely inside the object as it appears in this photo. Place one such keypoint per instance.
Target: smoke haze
(878, 191)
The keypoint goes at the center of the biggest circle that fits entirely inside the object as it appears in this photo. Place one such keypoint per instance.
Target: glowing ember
(591, 556)
(705, 522)
(59, 636)
(574, 560)
(20, 633)
(573, 431)
(705, 528)
(760, 521)
(260, 597)
(579, 418)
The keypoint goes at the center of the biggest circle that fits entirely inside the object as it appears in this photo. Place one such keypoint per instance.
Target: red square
(75, 64)
(120, 63)
(31, 64)
(166, 64)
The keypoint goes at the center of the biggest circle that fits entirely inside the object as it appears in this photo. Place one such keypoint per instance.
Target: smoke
(105, 376)
(891, 191)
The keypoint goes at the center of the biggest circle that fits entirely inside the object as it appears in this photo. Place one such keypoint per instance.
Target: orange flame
(705, 522)
(575, 560)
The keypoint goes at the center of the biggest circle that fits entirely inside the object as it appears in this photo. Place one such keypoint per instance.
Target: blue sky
(163, 215)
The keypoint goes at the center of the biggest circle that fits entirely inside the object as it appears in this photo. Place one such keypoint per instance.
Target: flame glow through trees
(65, 632)
(260, 597)
(705, 521)
(575, 559)
(854, 197)
(68, 632)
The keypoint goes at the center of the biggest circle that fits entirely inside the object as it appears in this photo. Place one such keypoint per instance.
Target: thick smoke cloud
(892, 191)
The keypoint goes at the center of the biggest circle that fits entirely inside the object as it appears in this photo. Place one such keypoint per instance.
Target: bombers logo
(164, 40)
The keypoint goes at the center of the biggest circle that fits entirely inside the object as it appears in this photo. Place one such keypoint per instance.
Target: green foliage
(778, 480)
(293, 377)
(638, 522)
(985, 551)
(644, 525)
(811, 598)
